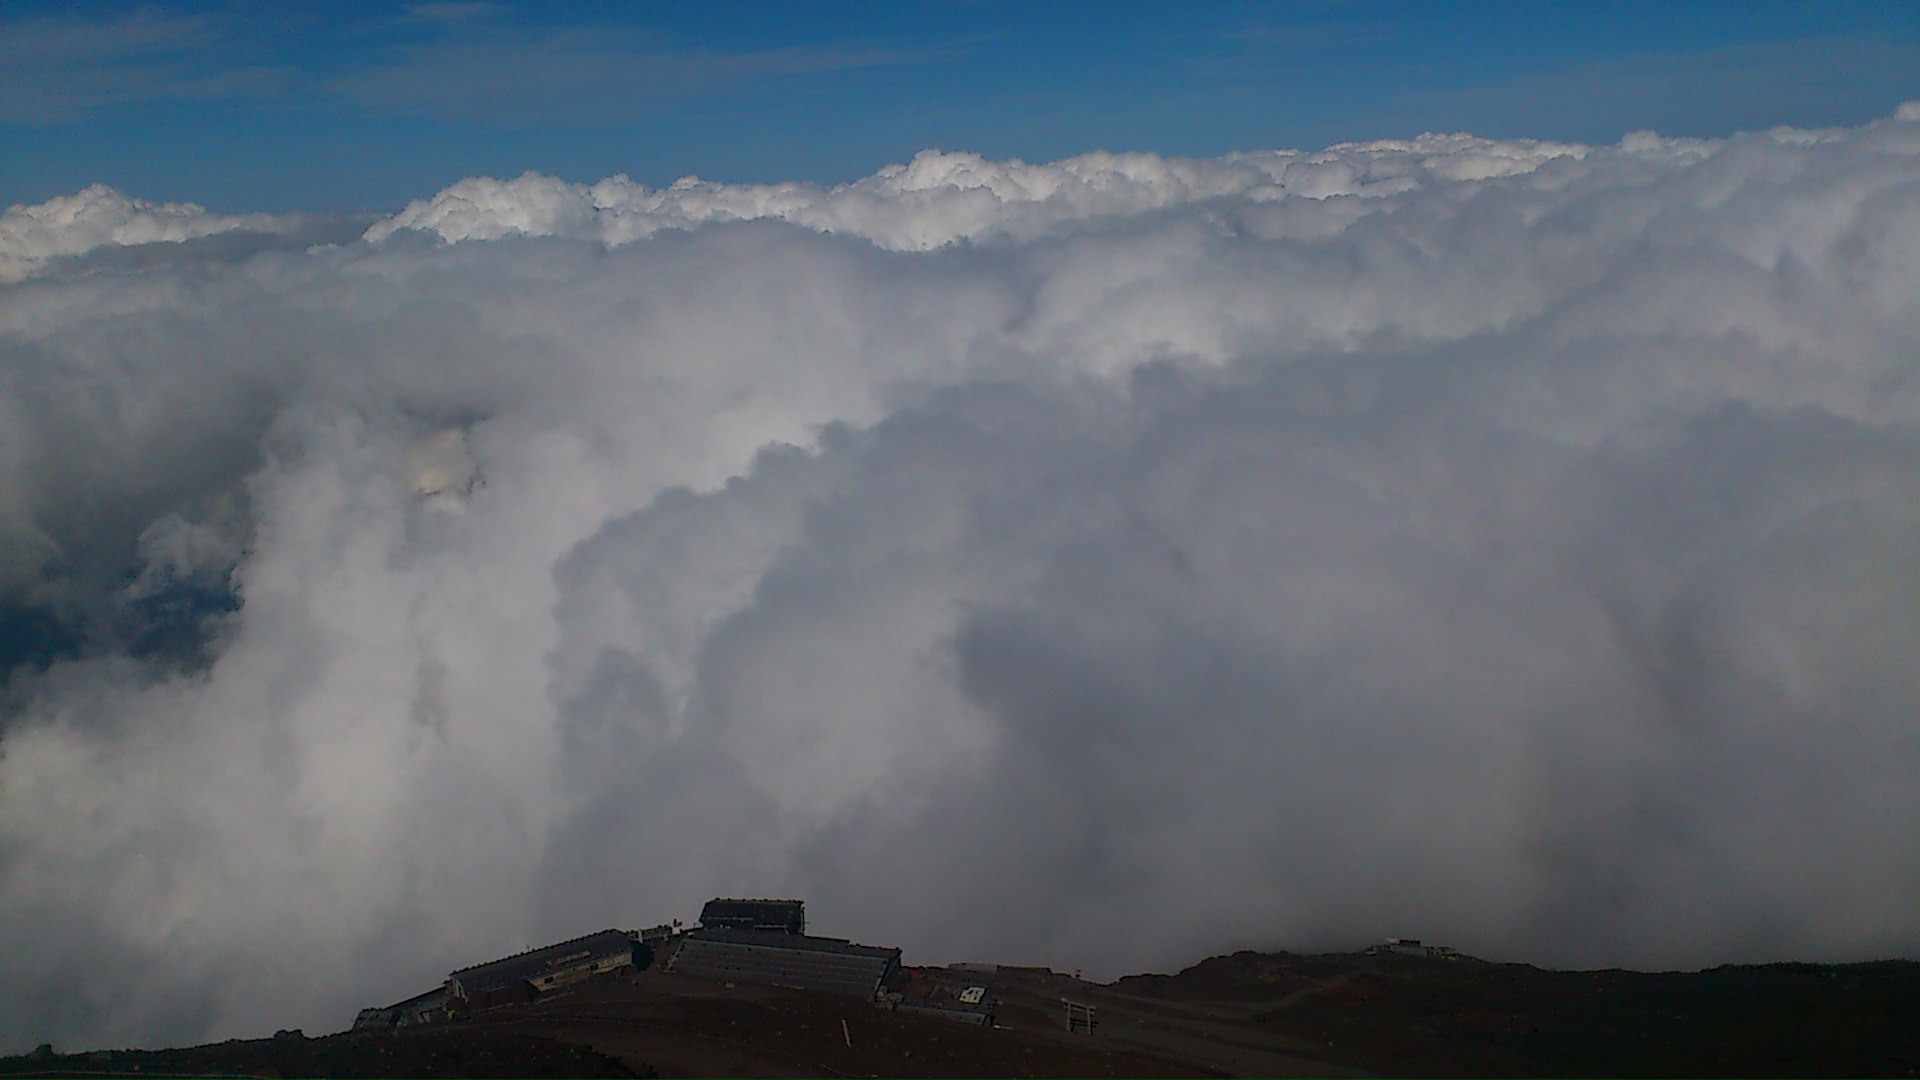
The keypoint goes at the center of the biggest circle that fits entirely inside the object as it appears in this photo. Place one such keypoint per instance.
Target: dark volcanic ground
(1248, 1014)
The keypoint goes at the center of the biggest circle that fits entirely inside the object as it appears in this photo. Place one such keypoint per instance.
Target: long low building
(526, 975)
(780, 959)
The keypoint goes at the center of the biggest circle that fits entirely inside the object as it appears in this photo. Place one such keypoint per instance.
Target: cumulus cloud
(100, 217)
(1097, 563)
(939, 198)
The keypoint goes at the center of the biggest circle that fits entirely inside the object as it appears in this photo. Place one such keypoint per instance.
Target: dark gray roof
(799, 943)
(787, 915)
(829, 964)
(435, 996)
(533, 962)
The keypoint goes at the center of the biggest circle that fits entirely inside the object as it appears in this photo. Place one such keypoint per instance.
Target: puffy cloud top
(99, 216)
(938, 198)
(1097, 564)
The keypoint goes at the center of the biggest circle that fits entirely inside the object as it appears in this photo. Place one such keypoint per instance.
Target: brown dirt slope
(1416, 1016)
(1249, 1014)
(448, 1050)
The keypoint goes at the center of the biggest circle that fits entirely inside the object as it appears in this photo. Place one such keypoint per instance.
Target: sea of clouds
(1098, 564)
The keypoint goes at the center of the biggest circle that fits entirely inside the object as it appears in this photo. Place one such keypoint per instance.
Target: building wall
(522, 977)
(516, 992)
(781, 916)
(585, 968)
(838, 973)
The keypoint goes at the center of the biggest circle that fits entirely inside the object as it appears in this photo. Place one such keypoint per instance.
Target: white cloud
(98, 216)
(1096, 563)
(939, 197)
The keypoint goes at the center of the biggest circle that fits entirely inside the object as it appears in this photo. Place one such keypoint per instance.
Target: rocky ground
(1244, 1015)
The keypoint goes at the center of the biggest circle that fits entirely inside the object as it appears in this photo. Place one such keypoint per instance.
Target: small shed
(966, 1001)
(778, 916)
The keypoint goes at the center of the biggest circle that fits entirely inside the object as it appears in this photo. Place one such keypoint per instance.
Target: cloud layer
(98, 217)
(938, 198)
(1096, 563)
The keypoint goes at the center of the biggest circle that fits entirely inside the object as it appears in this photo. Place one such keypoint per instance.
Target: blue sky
(364, 106)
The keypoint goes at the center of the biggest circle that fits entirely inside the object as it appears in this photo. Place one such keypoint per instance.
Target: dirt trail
(1221, 1036)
